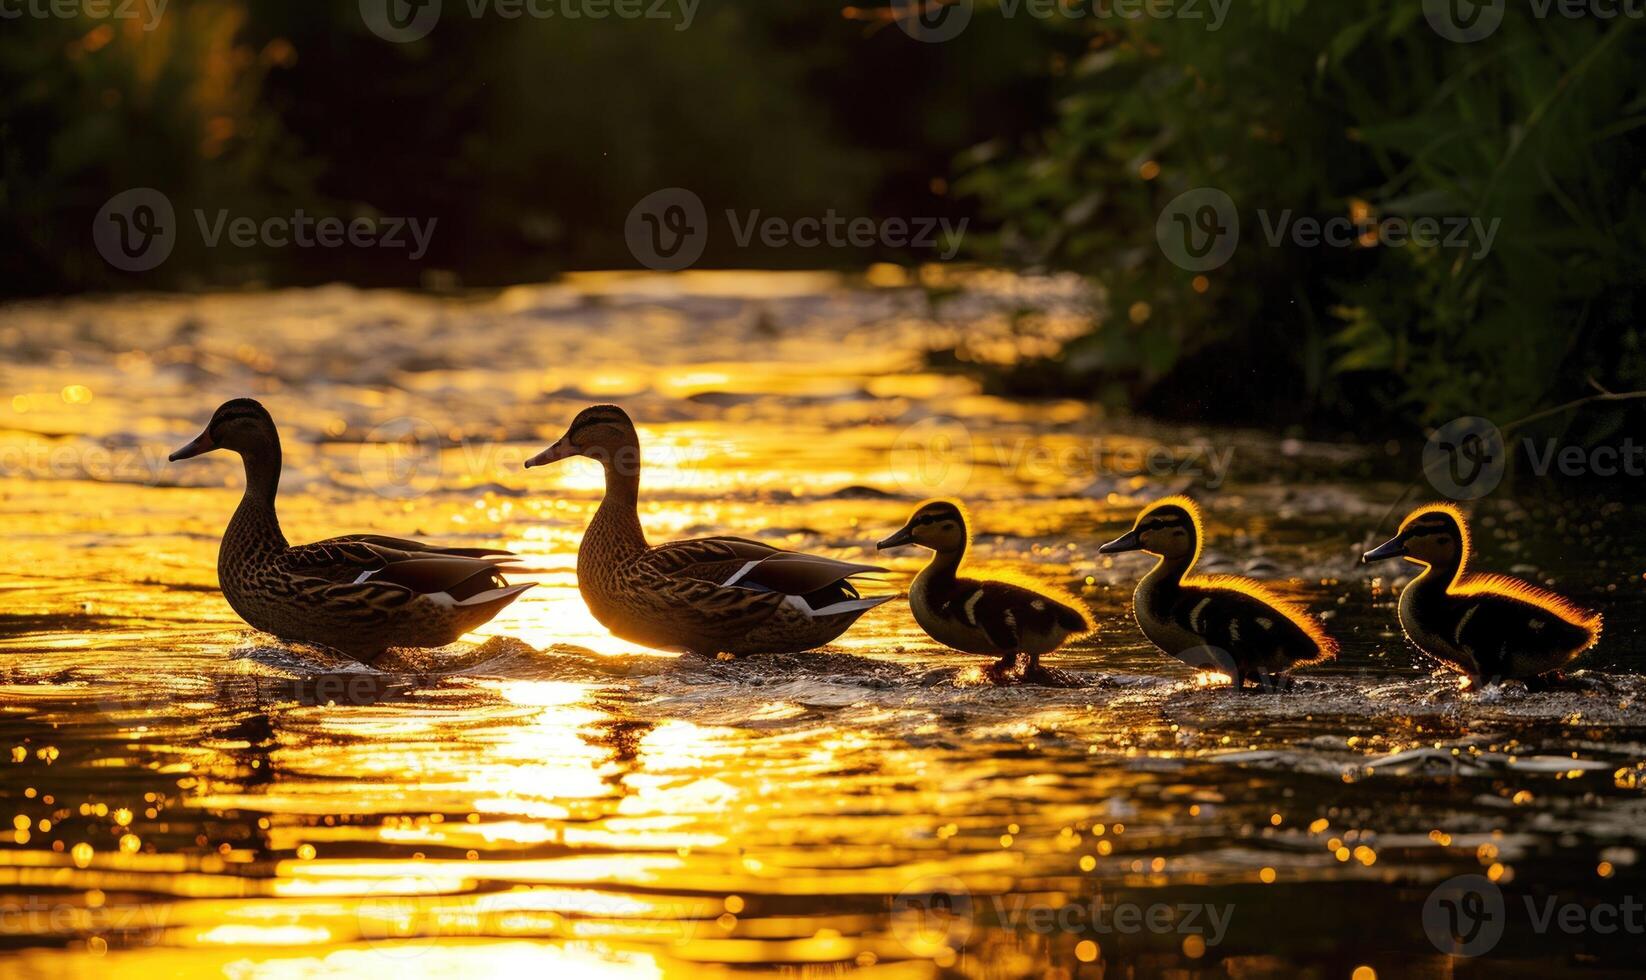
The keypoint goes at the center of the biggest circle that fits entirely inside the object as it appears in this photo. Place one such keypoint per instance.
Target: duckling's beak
(202, 444)
(554, 454)
(1130, 541)
(898, 540)
(1392, 548)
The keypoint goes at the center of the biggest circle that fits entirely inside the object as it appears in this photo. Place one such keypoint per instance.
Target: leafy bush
(1328, 108)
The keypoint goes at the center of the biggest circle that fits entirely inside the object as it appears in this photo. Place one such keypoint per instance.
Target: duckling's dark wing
(1510, 637)
(1006, 612)
(1244, 624)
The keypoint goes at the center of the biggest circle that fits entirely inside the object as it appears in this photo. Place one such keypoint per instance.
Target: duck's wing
(751, 565)
(1006, 612)
(369, 568)
(729, 579)
(1513, 628)
(407, 544)
(1239, 614)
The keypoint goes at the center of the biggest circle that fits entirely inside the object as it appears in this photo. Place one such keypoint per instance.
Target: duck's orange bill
(554, 454)
(202, 444)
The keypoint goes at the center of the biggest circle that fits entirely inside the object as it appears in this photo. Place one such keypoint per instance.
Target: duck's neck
(937, 577)
(254, 530)
(1164, 579)
(1437, 579)
(615, 532)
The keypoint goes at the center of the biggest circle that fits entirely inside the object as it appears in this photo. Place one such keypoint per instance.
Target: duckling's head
(1435, 534)
(241, 425)
(1169, 528)
(604, 433)
(936, 524)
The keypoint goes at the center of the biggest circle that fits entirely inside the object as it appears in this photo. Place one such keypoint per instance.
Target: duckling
(361, 594)
(1017, 623)
(1221, 623)
(1486, 627)
(707, 596)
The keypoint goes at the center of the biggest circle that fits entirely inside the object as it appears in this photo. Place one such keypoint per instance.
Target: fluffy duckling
(1221, 623)
(361, 594)
(1487, 627)
(1017, 623)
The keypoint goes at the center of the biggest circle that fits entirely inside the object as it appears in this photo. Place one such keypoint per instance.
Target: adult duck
(1486, 627)
(360, 594)
(1222, 623)
(706, 595)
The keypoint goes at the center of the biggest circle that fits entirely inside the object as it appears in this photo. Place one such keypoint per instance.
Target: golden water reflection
(182, 797)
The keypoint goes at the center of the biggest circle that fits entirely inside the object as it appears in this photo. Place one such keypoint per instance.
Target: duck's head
(603, 433)
(241, 425)
(1435, 534)
(936, 524)
(1169, 528)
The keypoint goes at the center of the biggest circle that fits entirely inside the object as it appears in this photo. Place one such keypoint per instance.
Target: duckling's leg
(1048, 676)
(1005, 670)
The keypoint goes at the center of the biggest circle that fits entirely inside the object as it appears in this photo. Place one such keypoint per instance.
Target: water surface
(188, 797)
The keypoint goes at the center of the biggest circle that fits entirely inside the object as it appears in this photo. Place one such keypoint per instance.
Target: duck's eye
(948, 525)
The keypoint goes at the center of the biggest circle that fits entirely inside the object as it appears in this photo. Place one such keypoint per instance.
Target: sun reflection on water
(184, 797)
